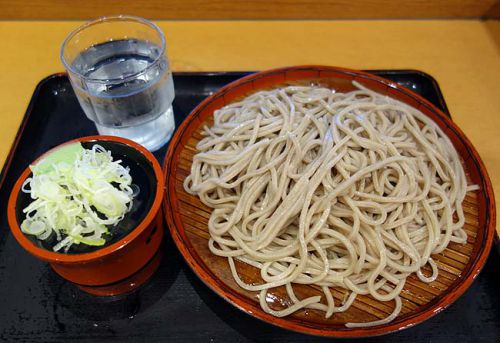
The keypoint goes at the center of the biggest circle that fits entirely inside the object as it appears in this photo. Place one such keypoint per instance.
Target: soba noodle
(348, 190)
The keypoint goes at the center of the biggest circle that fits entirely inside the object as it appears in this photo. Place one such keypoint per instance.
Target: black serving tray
(175, 306)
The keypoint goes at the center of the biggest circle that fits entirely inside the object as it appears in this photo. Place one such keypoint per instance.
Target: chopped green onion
(77, 192)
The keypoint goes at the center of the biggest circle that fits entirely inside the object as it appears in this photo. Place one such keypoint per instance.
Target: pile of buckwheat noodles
(349, 190)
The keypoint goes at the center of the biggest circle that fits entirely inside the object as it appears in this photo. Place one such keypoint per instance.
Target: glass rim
(100, 20)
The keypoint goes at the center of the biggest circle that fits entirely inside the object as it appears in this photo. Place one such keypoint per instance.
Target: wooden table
(463, 56)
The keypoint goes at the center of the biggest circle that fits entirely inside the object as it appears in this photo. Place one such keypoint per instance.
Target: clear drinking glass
(121, 76)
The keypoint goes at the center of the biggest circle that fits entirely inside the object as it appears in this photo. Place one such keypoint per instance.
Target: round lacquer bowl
(131, 255)
(187, 217)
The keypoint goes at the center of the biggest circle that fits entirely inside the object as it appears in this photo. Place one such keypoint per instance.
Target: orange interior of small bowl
(458, 265)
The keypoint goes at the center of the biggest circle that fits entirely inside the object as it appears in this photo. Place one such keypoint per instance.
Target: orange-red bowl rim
(217, 286)
(107, 250)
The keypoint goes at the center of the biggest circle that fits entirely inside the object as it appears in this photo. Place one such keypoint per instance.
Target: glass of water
(121, 76)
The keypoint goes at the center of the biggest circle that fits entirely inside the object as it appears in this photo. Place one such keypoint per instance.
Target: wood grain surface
(458, 265)
(252, 9)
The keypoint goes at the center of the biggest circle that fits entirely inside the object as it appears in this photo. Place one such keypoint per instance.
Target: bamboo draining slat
(188, 218)
(417, 293)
